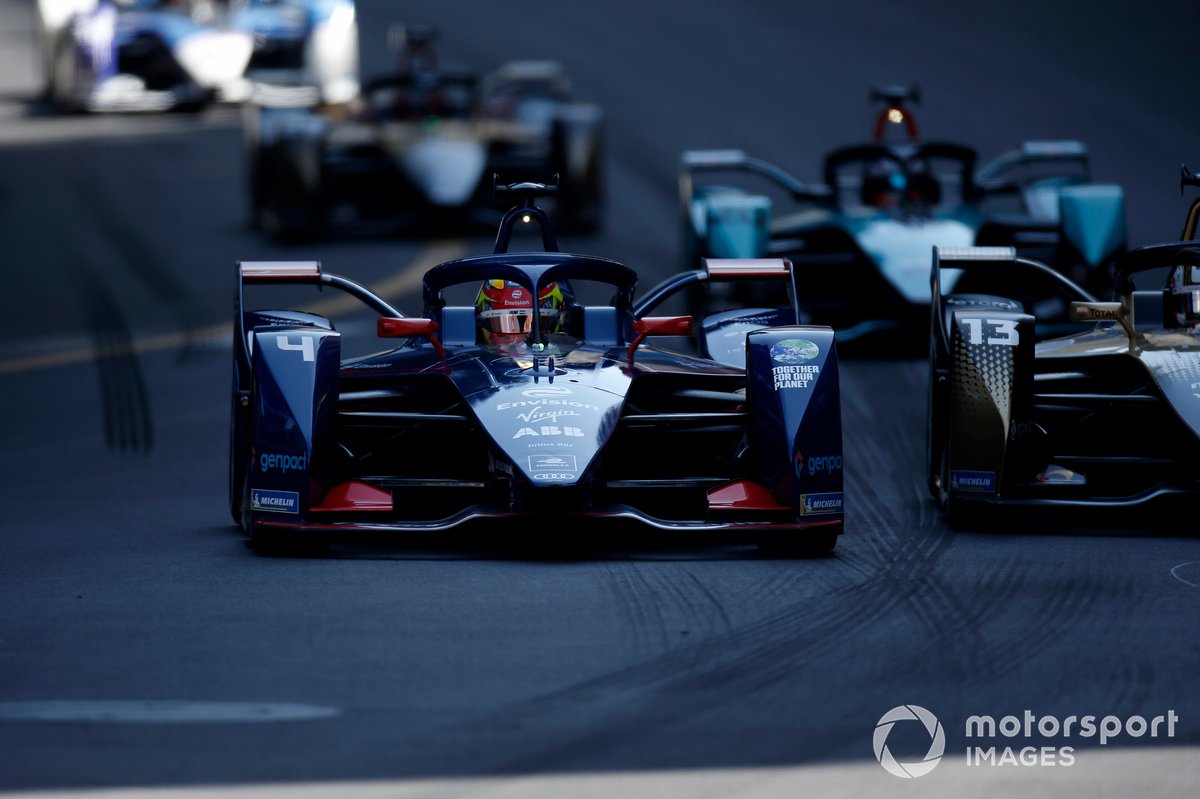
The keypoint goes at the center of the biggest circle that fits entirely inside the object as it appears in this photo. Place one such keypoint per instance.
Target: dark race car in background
(418, 149)
(1107, 417)
(738, 435)
(138, 55)
(861, 238)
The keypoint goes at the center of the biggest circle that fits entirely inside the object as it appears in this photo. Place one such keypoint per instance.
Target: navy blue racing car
(516, 395)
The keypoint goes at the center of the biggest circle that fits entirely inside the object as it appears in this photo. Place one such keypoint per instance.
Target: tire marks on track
(127, 416)
(663, 604)
(136, 254)
(893, 589)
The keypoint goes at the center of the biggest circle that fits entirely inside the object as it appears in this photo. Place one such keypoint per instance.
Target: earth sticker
(794, 350)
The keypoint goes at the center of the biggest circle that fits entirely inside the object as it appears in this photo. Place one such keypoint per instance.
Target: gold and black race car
(1107, 415)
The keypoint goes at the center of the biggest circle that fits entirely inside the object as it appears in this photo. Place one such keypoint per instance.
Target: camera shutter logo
(937, 742)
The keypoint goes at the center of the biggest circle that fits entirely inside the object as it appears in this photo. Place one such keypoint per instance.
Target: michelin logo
(963, 480)
(276, 501)
(811, 504)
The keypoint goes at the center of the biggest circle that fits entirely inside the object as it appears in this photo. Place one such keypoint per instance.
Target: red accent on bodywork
(881, 123)
(660, 326)
(391, 327)
(665, 325)
(354, 496)
(743, 495)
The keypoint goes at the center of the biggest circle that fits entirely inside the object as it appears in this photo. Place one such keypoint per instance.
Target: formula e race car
(137, 55)
(1107, 417)
(418, 149)
(861, 239)
(539, 411)
(306, 49)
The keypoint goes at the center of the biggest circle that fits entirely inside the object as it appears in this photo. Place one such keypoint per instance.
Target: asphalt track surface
(142, 644)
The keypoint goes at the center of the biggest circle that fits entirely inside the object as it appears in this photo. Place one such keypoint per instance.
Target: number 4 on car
(556, 399)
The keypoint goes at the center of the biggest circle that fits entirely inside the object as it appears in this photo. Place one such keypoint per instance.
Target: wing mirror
(409, 327)
(660, 326)
(1102, 312)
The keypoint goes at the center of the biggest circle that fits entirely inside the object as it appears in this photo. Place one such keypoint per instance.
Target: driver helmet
(503, 311)
(1184, 287)
(884, 183)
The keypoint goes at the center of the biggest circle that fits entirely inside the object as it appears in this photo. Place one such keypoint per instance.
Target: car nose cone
(446, 169)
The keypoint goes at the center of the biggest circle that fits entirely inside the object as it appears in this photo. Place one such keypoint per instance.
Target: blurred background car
(418, 149)
(861, 238)
(300, 44)
(138, 55)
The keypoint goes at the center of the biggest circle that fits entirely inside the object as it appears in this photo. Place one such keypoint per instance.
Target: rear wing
(724, 270)
(995, 175)
(995, 259)
(294, 273)
(737, 161)
(305, 273)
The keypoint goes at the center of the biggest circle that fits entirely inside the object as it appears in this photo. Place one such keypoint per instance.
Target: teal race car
(860, 240)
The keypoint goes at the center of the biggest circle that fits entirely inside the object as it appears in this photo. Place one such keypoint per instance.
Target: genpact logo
(937, 741)
(824, 463)
(283, 462)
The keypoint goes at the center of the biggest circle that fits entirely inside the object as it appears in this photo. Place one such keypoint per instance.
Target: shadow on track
(535, 547)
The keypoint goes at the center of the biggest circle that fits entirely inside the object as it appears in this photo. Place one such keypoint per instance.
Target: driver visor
(510, 320)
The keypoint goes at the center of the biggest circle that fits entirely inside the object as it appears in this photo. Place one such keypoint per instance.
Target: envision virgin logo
(937, 741)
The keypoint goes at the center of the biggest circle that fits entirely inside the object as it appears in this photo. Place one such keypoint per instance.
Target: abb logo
(549, 430)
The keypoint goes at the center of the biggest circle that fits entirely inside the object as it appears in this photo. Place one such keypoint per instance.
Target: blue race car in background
(1106, 418)
(138, 55)
(860, 240)
(300, 46)
(577, 417)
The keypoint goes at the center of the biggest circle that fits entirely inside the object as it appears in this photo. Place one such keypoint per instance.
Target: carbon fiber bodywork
(1105, 416)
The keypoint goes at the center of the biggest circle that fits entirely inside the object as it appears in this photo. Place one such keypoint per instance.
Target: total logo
(937, 741)
(542, 392)
(991, 303)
